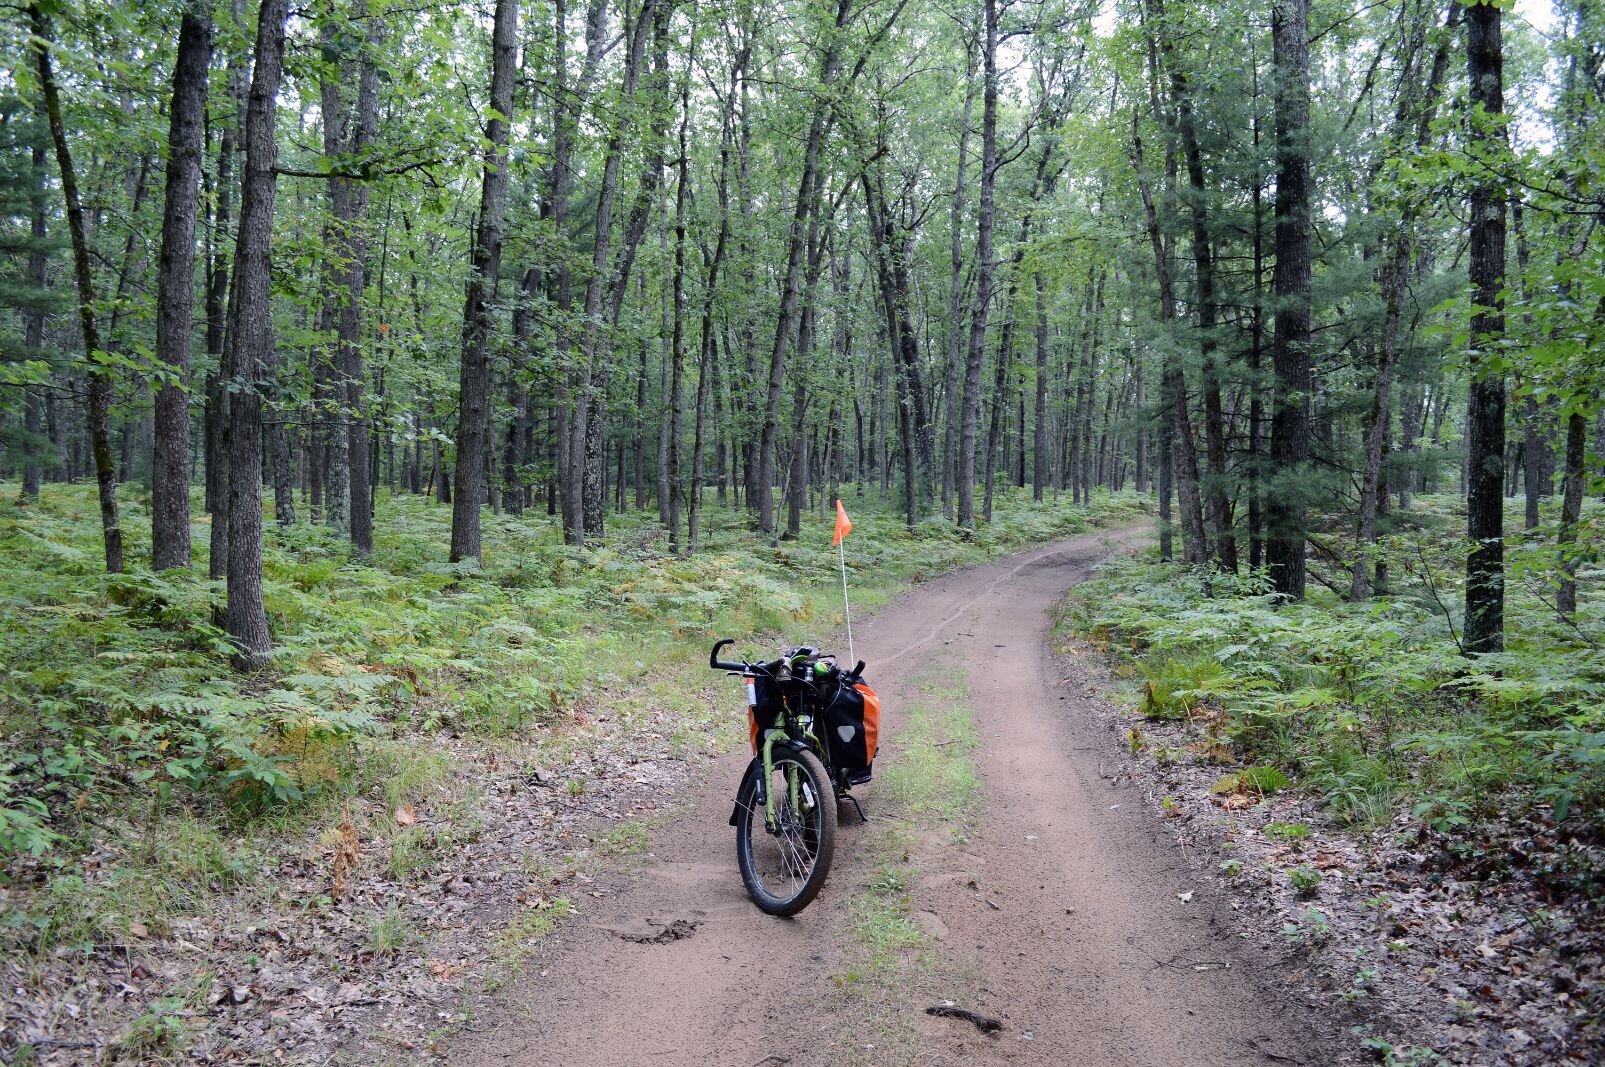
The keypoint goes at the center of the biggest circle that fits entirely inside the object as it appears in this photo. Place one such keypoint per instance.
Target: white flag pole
(847, 610)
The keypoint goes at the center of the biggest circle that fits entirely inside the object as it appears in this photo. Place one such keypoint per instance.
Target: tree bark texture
(970, 417)
(806, 203)
(35, 416)
(1571, 509)
(1485, 406)
(175, 294)
(249, 360)
(468, 494)
(1290, 287)
(99, 378)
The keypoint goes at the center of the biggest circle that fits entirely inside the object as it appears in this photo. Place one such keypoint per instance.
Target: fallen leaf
(405, 816)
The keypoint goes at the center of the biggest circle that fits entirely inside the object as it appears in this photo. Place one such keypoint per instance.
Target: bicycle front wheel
(785, 867)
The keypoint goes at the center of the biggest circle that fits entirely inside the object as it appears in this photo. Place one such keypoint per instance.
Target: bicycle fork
(761, 792)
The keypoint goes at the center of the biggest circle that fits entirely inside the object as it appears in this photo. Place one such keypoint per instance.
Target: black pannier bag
(852, 728)
(770, 700)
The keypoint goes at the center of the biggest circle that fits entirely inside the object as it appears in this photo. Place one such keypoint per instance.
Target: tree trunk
(586, 440)
(561, 180)
(1415, 110)
(474, 377)
(249, 360)
(217, 286)
(970, 417)
(796, 490)
(659, 112)
(1256, 353)
(332, 442)
(892, 274)
(994, 425)
(175, 293)
(99, 377)
(1571, 509)
(807, 199)
(664, 414)
(35, 413)
(1139, 459)
(1039, 440)
(677, 343)
(1179, 455)
(1290, 288)
(708, 366)
(355, 416)
(1204, 277)
(1485, 414)
(513, 446)
(955, 297)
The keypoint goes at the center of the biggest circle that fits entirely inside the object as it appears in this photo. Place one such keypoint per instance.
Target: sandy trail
(1089, 948)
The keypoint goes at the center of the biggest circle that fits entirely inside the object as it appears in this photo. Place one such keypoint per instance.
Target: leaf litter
(373, 937)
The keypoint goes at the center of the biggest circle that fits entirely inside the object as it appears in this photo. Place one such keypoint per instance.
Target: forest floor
(1102, 900)
(1421, 959)
(458, 760)
(564, 892)
(1008, 868)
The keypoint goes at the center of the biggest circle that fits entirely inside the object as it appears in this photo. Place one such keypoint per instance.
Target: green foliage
(1304, 880)
(115, 691)
(1177, 685)
(1287, 831)
(1391, 1055)
(21, 827)
(390, 931)
(1369, 705)
(1310, 932)
(161, 1031)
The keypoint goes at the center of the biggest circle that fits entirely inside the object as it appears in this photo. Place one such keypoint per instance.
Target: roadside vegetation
(145, 782)
(1371, 706)
(1419, 830)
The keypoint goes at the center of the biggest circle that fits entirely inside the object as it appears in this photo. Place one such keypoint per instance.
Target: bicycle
(785, 831)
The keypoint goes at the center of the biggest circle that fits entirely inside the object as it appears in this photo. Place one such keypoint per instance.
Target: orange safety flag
(844, 525)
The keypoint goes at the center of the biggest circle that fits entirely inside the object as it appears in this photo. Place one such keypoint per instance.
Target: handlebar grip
(857, 672)
(719, 665)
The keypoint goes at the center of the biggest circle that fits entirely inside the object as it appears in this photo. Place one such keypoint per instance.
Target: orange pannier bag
(872, 720)
(852, 726)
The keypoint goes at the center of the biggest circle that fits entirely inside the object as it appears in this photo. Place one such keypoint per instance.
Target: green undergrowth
(1370, 706)
(933, 780)
(928, 790)
(122, 719)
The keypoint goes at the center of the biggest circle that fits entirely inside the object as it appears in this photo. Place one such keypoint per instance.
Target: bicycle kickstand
(857, 806)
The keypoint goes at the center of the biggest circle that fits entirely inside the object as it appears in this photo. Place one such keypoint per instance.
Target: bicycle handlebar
(744, 667)
(719, 665)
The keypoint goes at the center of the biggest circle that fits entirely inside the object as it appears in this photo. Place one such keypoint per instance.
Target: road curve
(1087, 949)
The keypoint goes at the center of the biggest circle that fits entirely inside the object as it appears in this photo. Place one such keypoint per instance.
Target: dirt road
(1065, 911)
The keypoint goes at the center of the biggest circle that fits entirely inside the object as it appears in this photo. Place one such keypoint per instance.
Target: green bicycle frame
(770, 737)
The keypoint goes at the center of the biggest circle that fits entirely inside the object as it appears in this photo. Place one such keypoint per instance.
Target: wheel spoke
(785, 860)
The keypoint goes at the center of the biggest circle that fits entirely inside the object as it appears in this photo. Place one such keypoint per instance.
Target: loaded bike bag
(852, 721)
(770, 702)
